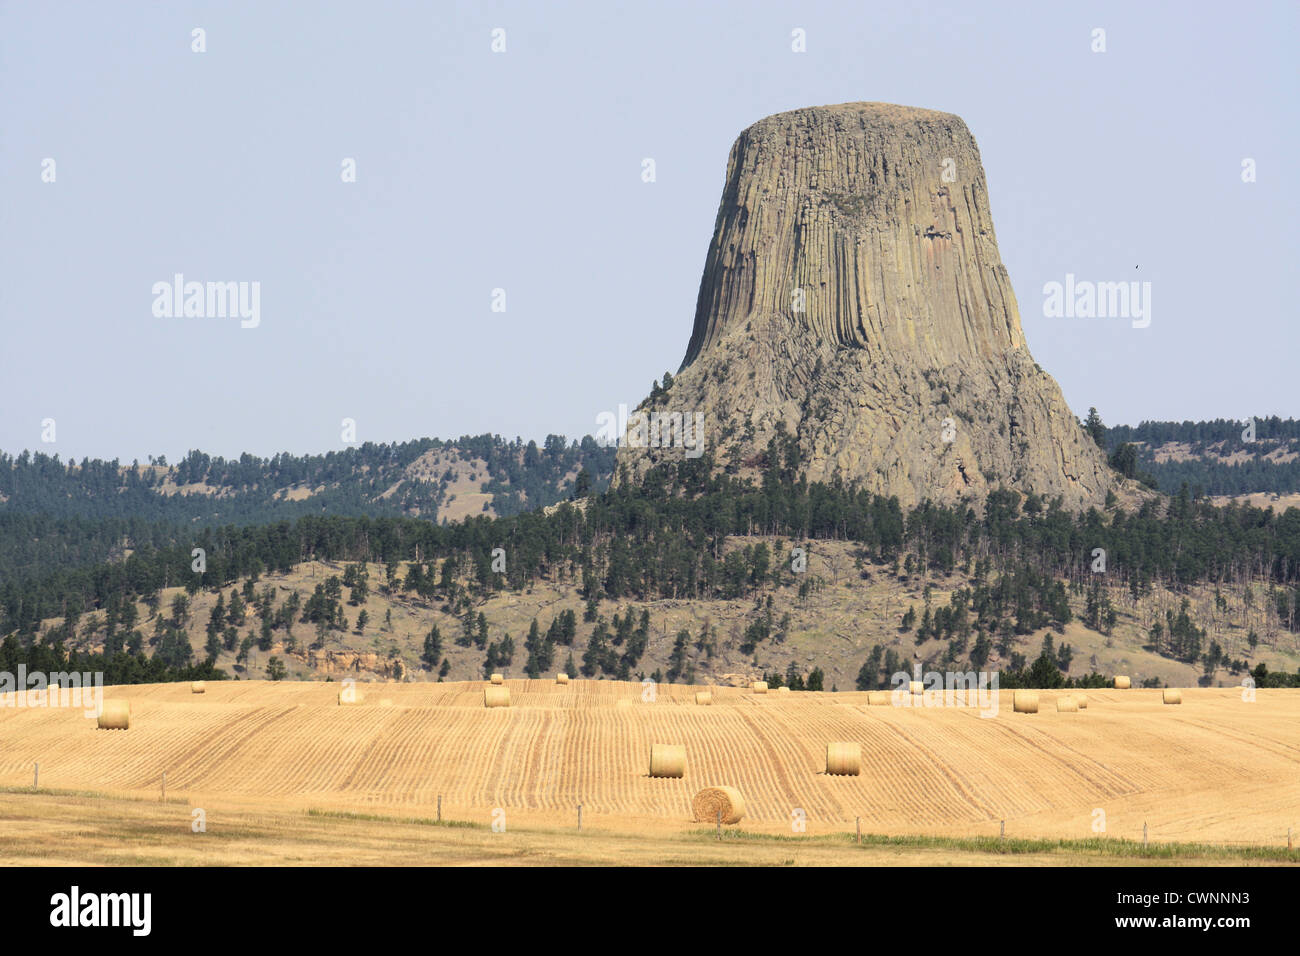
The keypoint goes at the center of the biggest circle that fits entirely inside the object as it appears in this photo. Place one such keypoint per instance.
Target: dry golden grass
(1278, 503)
(464, 496)
(56, 829)
(1216, 769)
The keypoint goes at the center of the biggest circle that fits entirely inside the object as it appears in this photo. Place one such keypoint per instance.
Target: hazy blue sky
(522, 170)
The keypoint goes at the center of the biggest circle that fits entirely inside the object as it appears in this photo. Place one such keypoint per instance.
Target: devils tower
(853, 291)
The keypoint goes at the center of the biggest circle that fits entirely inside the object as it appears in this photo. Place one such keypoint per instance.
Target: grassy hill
(842, 607)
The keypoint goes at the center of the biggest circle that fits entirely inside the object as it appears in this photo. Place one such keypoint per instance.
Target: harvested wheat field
(1216, 769)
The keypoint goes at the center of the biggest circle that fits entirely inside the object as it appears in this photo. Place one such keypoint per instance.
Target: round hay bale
(783, 690)
(1025, 702)
(496, 696)
(1067, 705)
(844, 759)
(561, 678)
(704, 698)
(916, 686)
(1172, 695)
(878, 698)
(198, 687)
(498, 679)
(758, 686)
(1081, 700)
(1122, 683)
(712, 800)
(115, 715)
(667, 760)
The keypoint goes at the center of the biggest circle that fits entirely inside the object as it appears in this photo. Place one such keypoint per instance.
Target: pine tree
(925, 631)
(582, 484)
(677, 660)
(237, 609)
(869, 673)
(793, 679)
(180, 610)
(533, 645)
(1093, 426)
(1045, 673)
(218, 617)
(432, 647)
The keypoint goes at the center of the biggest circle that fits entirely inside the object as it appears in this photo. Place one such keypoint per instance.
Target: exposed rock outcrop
(345, 662)
(853, 291)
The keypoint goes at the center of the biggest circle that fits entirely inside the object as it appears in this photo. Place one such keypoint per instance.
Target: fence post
(719, 824)
(1144, 833)
(859, 831)
(1002, 830)
(36, 783)
(164, 787)
(439, 808)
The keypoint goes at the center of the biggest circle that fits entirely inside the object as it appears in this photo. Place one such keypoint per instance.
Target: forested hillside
(56, 515)
(1011, 571)
(1221, 458)
(100, 560)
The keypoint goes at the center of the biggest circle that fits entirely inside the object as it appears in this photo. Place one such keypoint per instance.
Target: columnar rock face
(854, 292)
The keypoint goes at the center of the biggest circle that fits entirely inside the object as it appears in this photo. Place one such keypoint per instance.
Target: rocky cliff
(854, 292)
